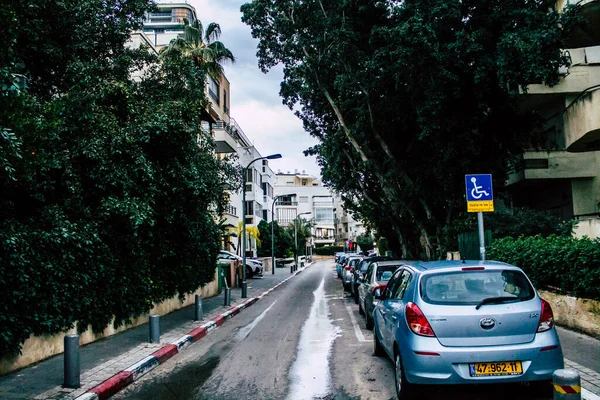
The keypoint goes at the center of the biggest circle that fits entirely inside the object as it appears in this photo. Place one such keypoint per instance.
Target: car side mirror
(381, 294)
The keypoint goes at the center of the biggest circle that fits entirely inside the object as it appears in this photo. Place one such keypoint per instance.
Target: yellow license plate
(496, 368)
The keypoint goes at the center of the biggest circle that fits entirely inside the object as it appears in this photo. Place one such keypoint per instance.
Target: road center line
(357, 331)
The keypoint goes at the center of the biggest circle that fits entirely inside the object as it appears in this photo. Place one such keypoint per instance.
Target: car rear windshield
(471, 287)
(385, 272)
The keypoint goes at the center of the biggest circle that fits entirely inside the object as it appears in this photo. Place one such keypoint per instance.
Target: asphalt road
(304, 340)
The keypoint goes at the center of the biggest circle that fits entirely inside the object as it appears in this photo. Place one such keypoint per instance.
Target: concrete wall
(588, 226)
(579, 314)
(37, 348)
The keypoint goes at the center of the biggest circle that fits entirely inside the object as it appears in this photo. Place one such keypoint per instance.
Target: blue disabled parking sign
(480, 196)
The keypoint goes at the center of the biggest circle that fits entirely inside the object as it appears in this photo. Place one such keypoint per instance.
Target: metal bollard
(154, 328)
(237, 280)
(199, 309)
(227, 301)
(71, 362)
(567, 384)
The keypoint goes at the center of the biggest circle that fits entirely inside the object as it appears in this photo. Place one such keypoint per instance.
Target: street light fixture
(296, 236)
(273, 230)
(245, 174)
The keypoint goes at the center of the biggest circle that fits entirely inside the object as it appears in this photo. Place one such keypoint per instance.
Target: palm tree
(303, 230)
(202, 47)
(252, 232)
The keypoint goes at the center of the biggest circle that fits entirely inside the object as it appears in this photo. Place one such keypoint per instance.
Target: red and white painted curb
(119, 381)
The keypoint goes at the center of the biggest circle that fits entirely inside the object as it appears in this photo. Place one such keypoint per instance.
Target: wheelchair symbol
(476, 192)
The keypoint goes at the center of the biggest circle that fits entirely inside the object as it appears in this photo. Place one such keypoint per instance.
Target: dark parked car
(359, 273)
(372, 285)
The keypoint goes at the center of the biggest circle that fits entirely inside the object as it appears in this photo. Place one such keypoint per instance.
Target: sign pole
(481, 236)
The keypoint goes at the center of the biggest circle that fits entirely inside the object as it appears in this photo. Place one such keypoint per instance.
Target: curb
(122, 379)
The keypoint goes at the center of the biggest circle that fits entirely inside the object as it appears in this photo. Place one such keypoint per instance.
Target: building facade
(563, 177)
(160, 28)
(299, 193)
(347, 229)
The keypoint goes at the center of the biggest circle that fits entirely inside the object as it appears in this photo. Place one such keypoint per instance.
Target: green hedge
(327, 250)
(570, 264)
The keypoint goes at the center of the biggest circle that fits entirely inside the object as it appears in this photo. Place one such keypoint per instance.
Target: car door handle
(382, 312)
(394, 317)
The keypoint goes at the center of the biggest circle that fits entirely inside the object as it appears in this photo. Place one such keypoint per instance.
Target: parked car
(373, 284)
(359, 272)
(342, 263)
(253, 267)
(470, 322)
(338, 255)
(348, 271)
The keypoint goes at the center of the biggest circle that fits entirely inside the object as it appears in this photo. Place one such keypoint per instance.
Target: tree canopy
(408, 97)
(108, 186)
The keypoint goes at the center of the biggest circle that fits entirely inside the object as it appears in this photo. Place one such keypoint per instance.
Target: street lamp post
(296, 236)
(245, 173)
(273, 230)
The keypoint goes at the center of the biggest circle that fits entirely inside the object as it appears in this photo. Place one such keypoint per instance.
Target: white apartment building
(346, 227)
(160, 28)
(301, 193)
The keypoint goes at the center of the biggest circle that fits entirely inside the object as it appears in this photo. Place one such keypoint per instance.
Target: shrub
(569, 264)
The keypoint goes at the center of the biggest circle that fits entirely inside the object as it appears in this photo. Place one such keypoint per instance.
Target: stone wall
(582, 315)
(38, 348)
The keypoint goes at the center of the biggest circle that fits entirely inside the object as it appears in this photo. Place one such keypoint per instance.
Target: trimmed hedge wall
(570, 264)
(327, 250)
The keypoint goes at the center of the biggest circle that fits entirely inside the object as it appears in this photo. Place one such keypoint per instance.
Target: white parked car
(252, 266)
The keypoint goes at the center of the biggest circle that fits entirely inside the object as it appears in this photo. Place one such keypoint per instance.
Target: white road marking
(357, 331)
(587, 395)
(245, 331)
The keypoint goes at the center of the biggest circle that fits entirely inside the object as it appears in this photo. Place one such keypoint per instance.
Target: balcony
(582, 122)
(535, 165)
(229, 209)
(283, 203)
(224, 138)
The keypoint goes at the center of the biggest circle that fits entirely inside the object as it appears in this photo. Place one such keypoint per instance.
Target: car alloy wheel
(404, 390)
(368, 320)
(361, 310)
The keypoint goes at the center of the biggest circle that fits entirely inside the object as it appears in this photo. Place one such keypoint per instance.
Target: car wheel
(377, 348)
(404, 390)
(248, 272)
(356, 295)
(368, 320)
(361, 311)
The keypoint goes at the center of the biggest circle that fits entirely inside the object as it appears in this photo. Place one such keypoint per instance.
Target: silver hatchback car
(465, 322)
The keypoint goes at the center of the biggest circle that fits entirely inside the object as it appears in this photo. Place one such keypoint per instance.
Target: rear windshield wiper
(491, 300)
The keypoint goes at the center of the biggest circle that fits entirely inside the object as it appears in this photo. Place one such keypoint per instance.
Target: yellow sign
(480, 206)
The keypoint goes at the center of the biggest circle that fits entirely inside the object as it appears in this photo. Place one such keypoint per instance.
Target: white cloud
(255, 101)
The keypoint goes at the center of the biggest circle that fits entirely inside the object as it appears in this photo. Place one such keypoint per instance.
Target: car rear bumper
(539, 359)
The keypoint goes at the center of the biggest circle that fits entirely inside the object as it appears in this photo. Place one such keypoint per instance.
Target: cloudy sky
(255, 101)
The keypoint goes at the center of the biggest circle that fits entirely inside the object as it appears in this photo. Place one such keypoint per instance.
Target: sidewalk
(103, 359)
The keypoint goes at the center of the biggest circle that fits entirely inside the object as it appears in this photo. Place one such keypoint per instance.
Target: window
(303, 199)
(400, 289)
(249, 207)
(213, 89)
(392, 284)
(369, 272)
(385, 272)
(286, 215)
(323, 215)
(265, 215)
(225, 102)
(469, 288)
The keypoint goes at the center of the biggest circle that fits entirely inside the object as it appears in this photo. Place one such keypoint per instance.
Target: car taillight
(348, 268)
(377, 289)
(547, 317)
(416, 320)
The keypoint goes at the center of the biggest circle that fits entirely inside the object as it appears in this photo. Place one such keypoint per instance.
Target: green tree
(283, 240)
(407, 97)
(108, 187)
(365, 242)
(303, 232)
(202, 47)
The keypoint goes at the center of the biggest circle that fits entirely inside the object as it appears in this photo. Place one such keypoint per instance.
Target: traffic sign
(480, 196)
